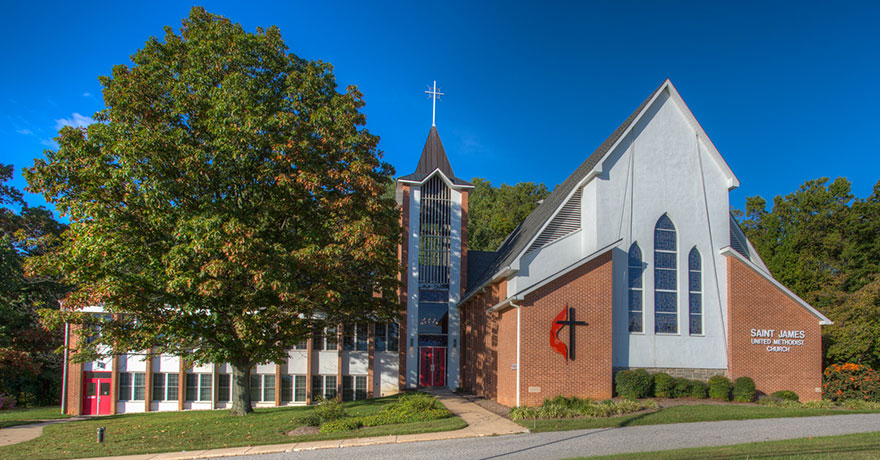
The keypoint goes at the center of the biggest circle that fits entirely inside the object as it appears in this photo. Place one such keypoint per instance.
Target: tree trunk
(241, 389)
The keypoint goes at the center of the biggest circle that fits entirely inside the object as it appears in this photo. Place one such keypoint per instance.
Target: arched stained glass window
(695, 291)
(636, 312)
(665, 277)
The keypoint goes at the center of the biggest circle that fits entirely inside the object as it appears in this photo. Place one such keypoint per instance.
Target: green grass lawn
(849, 446)
(196, 430)
(682, 414)
(29, 415)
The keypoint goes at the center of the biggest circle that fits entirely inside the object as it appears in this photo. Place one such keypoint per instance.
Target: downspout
(517, 349)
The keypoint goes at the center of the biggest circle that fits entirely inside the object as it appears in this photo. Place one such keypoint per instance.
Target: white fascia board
(727, 251)
(442, 176)
(524, 292)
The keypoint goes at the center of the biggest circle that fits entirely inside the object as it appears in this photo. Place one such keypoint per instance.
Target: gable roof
(520, 238)
(434, 158)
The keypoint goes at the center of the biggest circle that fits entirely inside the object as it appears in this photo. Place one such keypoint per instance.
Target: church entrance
(96, 397)
(432, 366)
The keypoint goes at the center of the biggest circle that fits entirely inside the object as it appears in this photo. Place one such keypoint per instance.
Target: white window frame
(165, 376)
(691, 293)
(631, 289)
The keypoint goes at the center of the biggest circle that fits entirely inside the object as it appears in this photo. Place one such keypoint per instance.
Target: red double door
(96, 397)
(432, 366)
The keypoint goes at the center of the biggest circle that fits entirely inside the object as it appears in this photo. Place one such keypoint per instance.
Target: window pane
(348, 337)
(318, 341)
(665, 223)
(664, 240)
(393, 336)
(696, 324)
(694, 282)
(665, 323)
(139, 383)
(204, 387)
(665, 302)
(694, 259)
(635, 321)
(433, 318)
(664, 260)
(124, 386)
(192, 387)
(664, 279)
(268, 388)
(635, 300)
(158, 387)
(224, 386)
(635, 256)
(347, 388)
(331, 339)
(286, 388)
(635, 277)
(256, 388)
(330, 390)
(173, 387)
(379, 339)
(360, 387)
(696, 303)
(91, 389)
(301, 345)
(362, 332)
(299, 388)
(317, 386)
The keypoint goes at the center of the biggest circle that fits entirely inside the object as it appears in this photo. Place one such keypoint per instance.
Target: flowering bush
(6, 402)
(851, 381)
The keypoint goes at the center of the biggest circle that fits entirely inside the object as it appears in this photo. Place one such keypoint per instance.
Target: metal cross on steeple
(433, 93)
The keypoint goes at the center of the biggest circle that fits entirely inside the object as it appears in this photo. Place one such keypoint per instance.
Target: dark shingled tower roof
(434, 158)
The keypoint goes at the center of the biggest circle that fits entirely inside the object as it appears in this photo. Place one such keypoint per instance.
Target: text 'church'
(633, 262)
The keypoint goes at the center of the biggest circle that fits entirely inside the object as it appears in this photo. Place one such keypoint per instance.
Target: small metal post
(101, 434)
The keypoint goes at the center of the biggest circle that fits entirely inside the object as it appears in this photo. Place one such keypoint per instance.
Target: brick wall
(755, 303)
(544, 373)
(479, 342)
(74, 376)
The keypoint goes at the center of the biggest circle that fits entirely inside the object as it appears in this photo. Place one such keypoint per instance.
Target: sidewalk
(21, 433)
(480, 423)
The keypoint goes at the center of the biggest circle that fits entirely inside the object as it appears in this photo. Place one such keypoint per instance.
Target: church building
(633, 262)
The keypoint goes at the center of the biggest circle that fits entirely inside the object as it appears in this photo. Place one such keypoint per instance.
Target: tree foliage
(494, 212)
(30, 367)
(824, 244)
(226, 203)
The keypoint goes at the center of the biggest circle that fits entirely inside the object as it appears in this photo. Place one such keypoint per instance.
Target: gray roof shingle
(434, 158)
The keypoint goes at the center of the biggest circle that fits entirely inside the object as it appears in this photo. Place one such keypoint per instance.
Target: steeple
(434, 158)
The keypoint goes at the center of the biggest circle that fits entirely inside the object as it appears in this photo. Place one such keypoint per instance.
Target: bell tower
(434, 252)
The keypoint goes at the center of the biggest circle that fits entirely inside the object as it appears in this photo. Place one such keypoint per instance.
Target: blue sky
(787, 91)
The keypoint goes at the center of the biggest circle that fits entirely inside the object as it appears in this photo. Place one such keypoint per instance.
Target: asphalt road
(566, 444)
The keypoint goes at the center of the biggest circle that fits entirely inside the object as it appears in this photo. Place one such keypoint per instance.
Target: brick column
(309, 371)
(148, 381)
(114, 383)
(181, 385)
(277, 384)
(339, 362)
(370, 354)
(74, 376)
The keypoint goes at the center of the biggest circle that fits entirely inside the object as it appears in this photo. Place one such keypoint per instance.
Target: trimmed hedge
(682, 387)
(744, 389)
(719, 387)
(664, 385)
(699, 389)
(633, 384)
(785, 395)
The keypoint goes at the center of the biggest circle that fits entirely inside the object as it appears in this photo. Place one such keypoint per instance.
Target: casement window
(293, 388)
(132, 386)
(665, 277)
(354, 387)
(354, 337)
(262, 388)
(695, 291)
(387, 337)
(165, 386)
(198, 387)
(634, 273)
(324, 385)
(224, 387)
(325, 340)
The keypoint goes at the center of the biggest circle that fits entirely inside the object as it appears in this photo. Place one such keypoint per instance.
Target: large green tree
(494, 212)
(824, 244)
(30, 368)
(226, 202)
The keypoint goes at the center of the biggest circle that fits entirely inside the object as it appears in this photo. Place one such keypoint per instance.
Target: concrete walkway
(480, 423)
(21, 433)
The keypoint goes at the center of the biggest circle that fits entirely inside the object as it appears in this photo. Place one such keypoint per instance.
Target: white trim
(730, 252)
(524, 292)
(518, 350)
(429, 176)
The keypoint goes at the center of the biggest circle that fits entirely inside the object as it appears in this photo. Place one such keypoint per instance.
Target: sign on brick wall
(778, 340)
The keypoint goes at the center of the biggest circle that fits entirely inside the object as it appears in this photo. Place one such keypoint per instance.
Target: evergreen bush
(785, 395)
(719, 387)
(699, 390)
(682, 388)
(664, 385)
(744, 389)
(633, 384)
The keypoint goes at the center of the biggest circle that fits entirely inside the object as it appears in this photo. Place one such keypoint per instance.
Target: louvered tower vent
(566, 222)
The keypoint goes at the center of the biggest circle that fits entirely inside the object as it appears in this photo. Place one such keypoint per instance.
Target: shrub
(859, 404)
(682, 388)
(719, 387)
(699, 390)
(309, 419)
(523, 413)
(561, 407)
(851, 381)
(342, 424)
(744, 389)
(329, 409)
(6, 402)
(633, 384)
(821, 404)
(785, 395)
(664, 385)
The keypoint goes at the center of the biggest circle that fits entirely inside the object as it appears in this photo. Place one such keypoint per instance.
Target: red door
(432, 367)
(96, 394)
